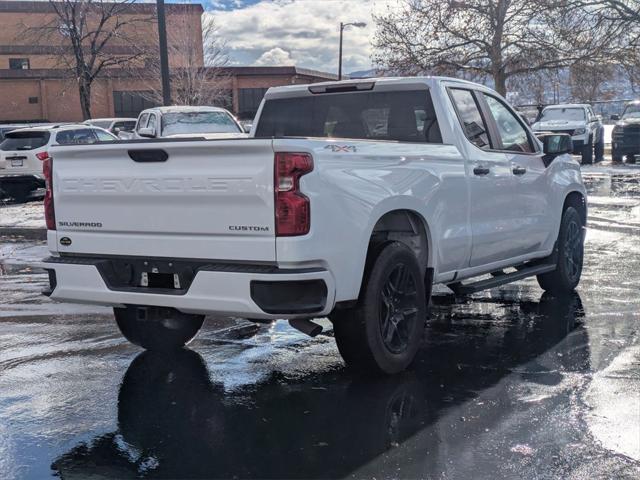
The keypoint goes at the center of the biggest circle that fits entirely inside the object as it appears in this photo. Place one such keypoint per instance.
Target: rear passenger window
(469, 115)
(76, 137)
(404, 116)
(103, 136)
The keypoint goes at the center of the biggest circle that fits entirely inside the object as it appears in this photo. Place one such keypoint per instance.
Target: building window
(33, 99)
(249, 100)
(19, 63)
(131, 103)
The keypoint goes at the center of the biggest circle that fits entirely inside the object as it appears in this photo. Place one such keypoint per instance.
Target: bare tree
(199, 75)
(626, 12)
(588, 79)
(499, 39)
(92, 36)
(534, 87)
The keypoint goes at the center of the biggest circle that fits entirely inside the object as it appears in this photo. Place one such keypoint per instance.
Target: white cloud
(307, 31)
(275, 56)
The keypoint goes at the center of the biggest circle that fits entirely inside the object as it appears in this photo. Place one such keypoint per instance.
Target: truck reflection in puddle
(173, 421)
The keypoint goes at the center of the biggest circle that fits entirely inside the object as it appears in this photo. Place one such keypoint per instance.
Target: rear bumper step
(499, 278)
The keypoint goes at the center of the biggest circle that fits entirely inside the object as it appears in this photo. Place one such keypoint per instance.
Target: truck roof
(568, 105)
(185, 108)
(428, 80)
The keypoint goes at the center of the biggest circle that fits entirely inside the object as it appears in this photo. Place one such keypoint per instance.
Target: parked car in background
(625, 137)
(187, 121)
(579, 121)
(4, 129)
(8, 127)
(246, 125)
(24, 149)
(350, 201)
(113, 125)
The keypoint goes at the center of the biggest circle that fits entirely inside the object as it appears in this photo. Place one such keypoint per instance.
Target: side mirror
(149, 132)
(116, 130)
(246, 128)
(615, 117)
(555, 144)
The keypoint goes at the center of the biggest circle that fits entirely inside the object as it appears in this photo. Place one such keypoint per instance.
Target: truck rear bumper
(228, 291)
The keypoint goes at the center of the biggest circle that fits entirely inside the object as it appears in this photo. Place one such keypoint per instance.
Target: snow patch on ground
(614, 398)
(21, 253)
(24, 215)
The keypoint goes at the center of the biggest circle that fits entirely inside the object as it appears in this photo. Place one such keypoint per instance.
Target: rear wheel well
(403, 226)
(577, 201)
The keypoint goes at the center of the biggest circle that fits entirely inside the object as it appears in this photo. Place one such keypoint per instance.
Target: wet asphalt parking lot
(510, 383)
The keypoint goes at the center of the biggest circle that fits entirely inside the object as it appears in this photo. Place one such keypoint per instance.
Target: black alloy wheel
(398, 311)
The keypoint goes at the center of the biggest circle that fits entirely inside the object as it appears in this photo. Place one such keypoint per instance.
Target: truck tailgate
(208, 200)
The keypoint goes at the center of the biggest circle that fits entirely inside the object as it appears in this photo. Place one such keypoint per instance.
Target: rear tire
(570, 245)
(157, 328)
(19, 193)
(599, 151)
(382, 333)
(615, 156)
(587, 152)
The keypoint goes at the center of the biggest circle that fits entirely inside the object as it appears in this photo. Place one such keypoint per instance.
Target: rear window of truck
(24, 141)
(404, 116)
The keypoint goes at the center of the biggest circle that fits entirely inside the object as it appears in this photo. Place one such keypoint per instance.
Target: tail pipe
(306, 326)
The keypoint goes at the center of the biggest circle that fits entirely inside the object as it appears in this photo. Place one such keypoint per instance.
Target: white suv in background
(23, 151)
(579, 121)
(186, 122)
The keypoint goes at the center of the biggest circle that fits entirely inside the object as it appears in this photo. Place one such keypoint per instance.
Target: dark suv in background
(625, 138)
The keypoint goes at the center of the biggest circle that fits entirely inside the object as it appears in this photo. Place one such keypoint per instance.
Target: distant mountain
(374, 72)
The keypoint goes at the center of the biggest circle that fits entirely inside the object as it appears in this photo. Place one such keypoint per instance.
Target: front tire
(382, 333)
(157, 328)
(570, 245)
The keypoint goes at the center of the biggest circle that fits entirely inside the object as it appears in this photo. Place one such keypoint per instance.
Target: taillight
(292, 208)
(42, 156)
(49, 214)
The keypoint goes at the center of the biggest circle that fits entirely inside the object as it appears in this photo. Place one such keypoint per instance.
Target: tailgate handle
(148, 155)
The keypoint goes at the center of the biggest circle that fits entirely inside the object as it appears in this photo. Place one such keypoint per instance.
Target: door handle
(519, 170)
(481, 171)
(148, 155)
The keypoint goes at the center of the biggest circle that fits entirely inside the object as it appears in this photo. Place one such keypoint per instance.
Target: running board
(499, 278)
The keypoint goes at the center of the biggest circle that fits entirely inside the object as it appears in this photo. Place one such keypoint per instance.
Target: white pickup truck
(579, 121)
(350, 200)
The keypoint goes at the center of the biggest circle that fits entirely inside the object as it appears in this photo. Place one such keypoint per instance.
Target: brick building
(34, 86)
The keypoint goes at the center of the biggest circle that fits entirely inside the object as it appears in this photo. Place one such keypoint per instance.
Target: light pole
(164, 56)
(342, 27)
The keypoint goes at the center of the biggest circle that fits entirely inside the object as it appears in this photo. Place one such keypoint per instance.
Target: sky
(304, 33)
